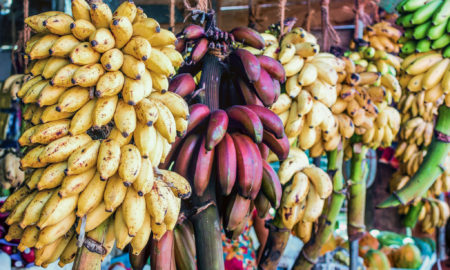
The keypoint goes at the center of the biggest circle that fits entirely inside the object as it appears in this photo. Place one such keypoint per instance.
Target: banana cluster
(382, 36)
(433, 214)
(13, 84)
(11, 176)
(310, 90)
(426, 25)
(305, 189)
(366, 89)
(101, 121)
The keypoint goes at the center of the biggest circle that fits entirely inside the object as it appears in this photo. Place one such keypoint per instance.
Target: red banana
(258, 168)
(264, 88)
(193, 31)
(273, 67)
(262, 205)
(279, 146)
(180, 44)
(271, 186)
(237, 209)
(246, 63)
(226, 158)
(276, 89)
(264, 150)
(197, 113)
(217, 127)
(234, 234)
(246, 164)
(161, 256)
(182, 84)
(248, 120)
(249, 37)
(270, 120)
(203, 168)
(187, 150)
(200, 49)
(249, 95)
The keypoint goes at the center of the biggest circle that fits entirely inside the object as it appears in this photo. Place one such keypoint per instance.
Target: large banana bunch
(383, 37)
(305, 189)
(310, 90)
(237, 140)
(434, 213)
(102, 121)
(426, 25)
(366, 89)
(250, 78)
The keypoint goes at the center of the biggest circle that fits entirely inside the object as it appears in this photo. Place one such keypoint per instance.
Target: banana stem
(208, 240)
(410, 219)
(356, 203)
(87, 259)
(311, 251)
(275, 245)
(430, 168)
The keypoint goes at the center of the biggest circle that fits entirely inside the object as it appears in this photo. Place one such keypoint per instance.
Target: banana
(91, 196)
(60, 149)
(65, 239)
(159, 63)
(108, 158)
(125, 118)
(82, 120)
(139, 47)
(56, 209)
(63, 46)
(34, 92)
(157, 202)
(145, 139)
(297, 191)
(306, 49)
(314, 205)
(82, 29)
(41, 49)
(45, 253)
(112, 60)
(36, 70)
(63, 77)
(165, 123)
(31, 158)
(144, 182)
(294, 66)
(423, 63)
(139, 242)
(29, 238)
(435, 74)
(75, 184)
(84, 54)
(12, 201)
(83, 159)
(292, 165)
(115, 192)
(80, 10)
(133, 211)
(130, 164)
(51, 233)
(104, 110)
(307, 75)
(34, 208)
(286, 53)
(117, 136)
(36, 22)
(17, 213)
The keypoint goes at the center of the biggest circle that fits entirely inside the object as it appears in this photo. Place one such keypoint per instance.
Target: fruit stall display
(137, 138)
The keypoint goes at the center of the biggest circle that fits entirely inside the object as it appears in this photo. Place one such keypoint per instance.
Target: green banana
(446, 52)
(424, 45)
(403, 40)
(409, 47)
(436, 31)
(400, 5)
(413, 5)
(405, 20)
(441, 42)
(424, 13)
(421, 30)
(409, 33)
(442, 14)
(448, 26)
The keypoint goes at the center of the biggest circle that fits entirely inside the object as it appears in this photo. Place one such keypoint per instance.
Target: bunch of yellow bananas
(365, 94)
(305, 189)
(310, 91)
(92, 72)
(383, 37)
(433, 214)
(13, 84)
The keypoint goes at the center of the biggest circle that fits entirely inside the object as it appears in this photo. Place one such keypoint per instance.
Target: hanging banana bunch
(101, 121)
(382, 36)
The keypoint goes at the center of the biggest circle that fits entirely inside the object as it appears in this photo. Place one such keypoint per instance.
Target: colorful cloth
(239, 254)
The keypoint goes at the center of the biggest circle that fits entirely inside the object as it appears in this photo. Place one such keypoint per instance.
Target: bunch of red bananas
(236, 142)
(247, 79)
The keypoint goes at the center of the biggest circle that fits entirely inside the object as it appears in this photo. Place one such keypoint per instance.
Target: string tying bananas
(310, 91)
(101, 121)
(366, 88)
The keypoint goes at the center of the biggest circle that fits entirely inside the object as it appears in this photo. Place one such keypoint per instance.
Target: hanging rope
(327, 28)
(172, 16)
(282, 6)
(308, 17)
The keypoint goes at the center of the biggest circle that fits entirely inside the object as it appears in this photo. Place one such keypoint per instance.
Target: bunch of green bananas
(426, 26)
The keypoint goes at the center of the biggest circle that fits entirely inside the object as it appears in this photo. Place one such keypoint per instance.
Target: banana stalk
(208, 240)
(410, 219)
(275, 245)
(430, 168)
(89, 256)
(356, 202)
(311, 251)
